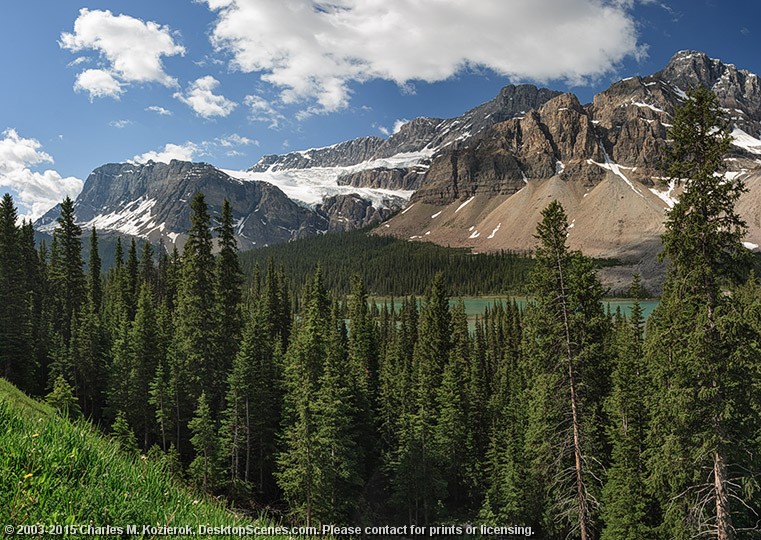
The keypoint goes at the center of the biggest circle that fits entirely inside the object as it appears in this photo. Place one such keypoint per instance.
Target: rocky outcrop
(558, 139)
(152, 201)
(738, 90)
(351, 212)
(407, 179)
(422, 135)
(338, 155)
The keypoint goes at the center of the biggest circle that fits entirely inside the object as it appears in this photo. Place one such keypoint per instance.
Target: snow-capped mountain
(345, 186)
(604, 161)
(478, 180)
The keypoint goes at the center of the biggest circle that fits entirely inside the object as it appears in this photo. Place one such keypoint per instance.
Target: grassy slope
(56, 472)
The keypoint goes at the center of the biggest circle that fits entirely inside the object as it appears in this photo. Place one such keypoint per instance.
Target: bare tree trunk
(578, 462)
(724, 530)
(248, 440)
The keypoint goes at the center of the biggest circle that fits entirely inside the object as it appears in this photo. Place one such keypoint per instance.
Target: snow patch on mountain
(745, 141)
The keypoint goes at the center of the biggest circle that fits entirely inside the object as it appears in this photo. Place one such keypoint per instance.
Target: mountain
(151, 201)
(603, 161)
(479, 180)
(350, 185)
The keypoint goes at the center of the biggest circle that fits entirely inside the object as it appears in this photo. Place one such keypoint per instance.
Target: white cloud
(191, 151)
(34, 192)
(201, 98)
(398, 124)
(384, 130)
(183, 152)
(313, 50)
(159, 110)
(261, 110)
(131, 50)
(98, 83)
(235, 140)
(120, 124)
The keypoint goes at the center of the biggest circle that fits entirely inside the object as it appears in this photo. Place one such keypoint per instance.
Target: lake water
(475, 306)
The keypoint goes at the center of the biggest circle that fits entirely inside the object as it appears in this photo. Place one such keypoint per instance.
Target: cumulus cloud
(261, 110)
(183, 152)
(313, 50)
(120, 124)
(34, 192)
(159, 110)
(98, 83)
(130, 49)
(235, 140)
(190, 151)
(200, 97)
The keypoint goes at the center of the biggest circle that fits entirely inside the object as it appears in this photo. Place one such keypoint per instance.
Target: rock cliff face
(557, 139)
(152, 201)
(624, 128)
(417, 141)
(479, 180)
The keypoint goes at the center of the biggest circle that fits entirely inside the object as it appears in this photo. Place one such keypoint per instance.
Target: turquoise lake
(475, 306)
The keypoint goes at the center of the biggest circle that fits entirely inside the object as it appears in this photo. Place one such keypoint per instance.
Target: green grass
(54, 472)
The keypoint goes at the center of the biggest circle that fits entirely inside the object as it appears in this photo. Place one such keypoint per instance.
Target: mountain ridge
(509, 156)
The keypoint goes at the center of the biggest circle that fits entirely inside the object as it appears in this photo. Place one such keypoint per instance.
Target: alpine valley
(479, 180)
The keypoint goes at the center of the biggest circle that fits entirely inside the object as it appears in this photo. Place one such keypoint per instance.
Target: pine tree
(297, 469)
(564, 338)
(68, 281)
(123, 434)
(193, 351)
(337, 456)
(229, 282)
(701, 450)
(14, 311)
(626, 504)
(204, 469)
(62, 398)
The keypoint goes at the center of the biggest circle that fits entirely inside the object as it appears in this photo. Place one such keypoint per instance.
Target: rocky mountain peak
(738, 90)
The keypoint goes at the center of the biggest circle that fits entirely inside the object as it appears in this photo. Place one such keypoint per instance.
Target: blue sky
(226, 81)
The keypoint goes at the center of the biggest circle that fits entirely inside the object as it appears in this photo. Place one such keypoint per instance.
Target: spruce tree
(193, 350)
(62, 398)
(338, 458)
(564, 342)
(204, 469)
(122, 433)
(67, 277)
(229, 282)
(14, 311)
(94, 285)
(626, 504)
(297, 473)
(452, 423)
(131, 279)
(145, 356)
(701, 451)
(418, 475)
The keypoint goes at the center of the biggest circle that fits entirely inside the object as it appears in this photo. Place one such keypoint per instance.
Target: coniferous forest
(323, 408)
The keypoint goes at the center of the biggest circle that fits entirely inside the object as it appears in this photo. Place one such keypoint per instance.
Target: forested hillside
(390, 266)
(558, 417)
